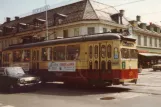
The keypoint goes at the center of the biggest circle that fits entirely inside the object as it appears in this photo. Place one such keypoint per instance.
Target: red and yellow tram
(106, 59)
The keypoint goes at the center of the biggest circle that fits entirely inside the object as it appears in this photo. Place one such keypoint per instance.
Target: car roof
(9, 67)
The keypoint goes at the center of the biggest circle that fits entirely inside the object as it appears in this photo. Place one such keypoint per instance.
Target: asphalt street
(147, 92)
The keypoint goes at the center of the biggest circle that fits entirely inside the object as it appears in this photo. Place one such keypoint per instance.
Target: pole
(47, 38)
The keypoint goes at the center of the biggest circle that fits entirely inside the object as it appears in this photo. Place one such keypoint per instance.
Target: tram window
(109, 50)
(26, 55)
(73, 52)
(133, 53)
(103, 51)
(103, 66)
(90, 51)
(46, 54)
(96, 51)
(17, 56)
(6, 57)
(109, 66)
(59, 53)
(125, 53)
(90, 65)
(96, 65)
(34, 55)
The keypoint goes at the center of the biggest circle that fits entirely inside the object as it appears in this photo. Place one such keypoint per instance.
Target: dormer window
(21, 26)
(58, 18)
(8, 29)
(1, 33)
(38, 22)
(60, 21)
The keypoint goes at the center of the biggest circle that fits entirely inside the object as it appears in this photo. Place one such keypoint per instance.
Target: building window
(76, 31)
(46, 54)
(73, 52)
(150, 41)
(139, 40)
(65, 33)
(145, 40)
(91, 30)
(159, 42)
(155, 42)
(104, 30)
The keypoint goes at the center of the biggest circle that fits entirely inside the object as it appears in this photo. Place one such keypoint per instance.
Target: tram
(106, 59)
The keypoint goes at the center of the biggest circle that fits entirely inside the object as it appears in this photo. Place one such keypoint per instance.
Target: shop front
(148, 57)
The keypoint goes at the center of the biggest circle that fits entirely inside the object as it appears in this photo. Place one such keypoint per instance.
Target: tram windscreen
(129, 53)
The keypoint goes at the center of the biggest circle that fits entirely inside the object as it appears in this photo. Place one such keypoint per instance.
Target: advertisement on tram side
(62, 66)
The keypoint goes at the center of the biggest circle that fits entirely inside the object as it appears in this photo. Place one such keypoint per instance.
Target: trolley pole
(47, 37)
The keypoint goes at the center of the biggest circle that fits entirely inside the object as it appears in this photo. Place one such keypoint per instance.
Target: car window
(2, 72)
(14, 71)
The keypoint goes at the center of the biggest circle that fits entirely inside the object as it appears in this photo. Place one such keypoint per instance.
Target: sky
(149, 10)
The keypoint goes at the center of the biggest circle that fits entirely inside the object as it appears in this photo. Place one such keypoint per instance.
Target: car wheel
(10, 89)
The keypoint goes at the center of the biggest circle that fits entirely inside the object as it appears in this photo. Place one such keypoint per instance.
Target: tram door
(93, 62)
(10, 60)
(100, 56)
(35, 60)
(105, 60)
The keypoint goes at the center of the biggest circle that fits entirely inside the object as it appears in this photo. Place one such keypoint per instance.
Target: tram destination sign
(41, 9)
(127, 44)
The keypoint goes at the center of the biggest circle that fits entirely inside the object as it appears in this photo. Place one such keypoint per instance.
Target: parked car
(13, 78)
(156, 67)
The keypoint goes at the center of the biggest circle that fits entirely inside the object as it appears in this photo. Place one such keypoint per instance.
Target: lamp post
(47, 38)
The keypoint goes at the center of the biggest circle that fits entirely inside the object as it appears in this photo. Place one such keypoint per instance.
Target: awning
(149, 54)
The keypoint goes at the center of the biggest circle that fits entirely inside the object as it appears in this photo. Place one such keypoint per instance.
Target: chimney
(142, 25)
(150, 27)
(17, 18)
(157, 29)
(8, 19)
(122, 12)
(138, 18)
(121, 16)
(134, 23)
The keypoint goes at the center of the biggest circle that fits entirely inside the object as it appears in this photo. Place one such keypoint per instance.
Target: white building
(81, 18)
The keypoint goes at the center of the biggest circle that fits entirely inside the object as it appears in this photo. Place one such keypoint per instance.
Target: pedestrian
(140, 68)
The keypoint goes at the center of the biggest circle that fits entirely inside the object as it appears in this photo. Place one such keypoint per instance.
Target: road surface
(146, 93)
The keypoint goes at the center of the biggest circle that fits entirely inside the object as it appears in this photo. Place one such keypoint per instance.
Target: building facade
(148, 38)
(81, 18)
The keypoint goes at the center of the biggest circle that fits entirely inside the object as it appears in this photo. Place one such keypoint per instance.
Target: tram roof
(96, 37)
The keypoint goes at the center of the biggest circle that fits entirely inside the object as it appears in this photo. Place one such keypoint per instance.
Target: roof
(96, 37)
(82, 10)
